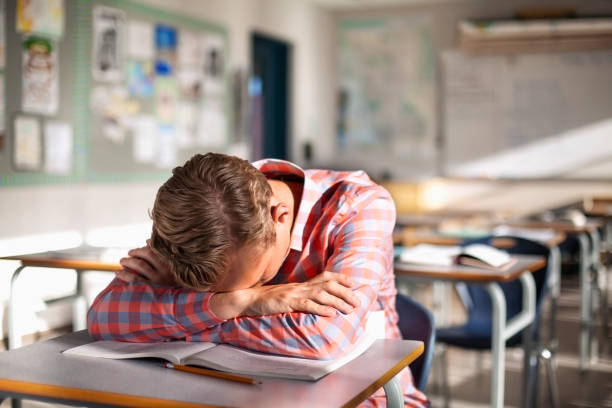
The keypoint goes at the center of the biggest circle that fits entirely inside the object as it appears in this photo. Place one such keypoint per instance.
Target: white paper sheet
(58, 147)
(27, 144)
(140, 41)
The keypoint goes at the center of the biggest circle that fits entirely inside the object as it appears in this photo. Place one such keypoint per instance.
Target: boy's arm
(364, 252)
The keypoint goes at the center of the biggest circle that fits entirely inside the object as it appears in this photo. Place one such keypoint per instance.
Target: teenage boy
(265, 256)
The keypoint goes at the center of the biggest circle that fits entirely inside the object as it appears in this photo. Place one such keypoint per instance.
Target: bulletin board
(140, 89)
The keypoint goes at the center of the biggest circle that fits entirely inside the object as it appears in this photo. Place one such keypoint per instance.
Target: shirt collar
(274, 168)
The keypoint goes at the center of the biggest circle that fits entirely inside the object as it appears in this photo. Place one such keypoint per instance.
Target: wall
(35, 209)
(444, 18)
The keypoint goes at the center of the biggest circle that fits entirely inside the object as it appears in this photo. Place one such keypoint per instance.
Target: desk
(589, 269)
(80, 259)
(41, 372)
(502, 330)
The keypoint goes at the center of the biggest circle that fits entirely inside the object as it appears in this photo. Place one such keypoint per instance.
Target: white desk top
(145, 383)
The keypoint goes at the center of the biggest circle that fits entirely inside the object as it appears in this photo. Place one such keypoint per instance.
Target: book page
(241, 361)
(487, 254)
(174, 351)
(430, 254)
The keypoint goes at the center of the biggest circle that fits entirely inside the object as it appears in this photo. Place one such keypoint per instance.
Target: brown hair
(212, 206)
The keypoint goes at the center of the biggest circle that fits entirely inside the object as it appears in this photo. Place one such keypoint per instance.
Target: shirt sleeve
(142, 312)
(363, 250)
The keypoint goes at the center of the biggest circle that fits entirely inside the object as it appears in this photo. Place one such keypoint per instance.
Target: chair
(476, 332)
(417, 323)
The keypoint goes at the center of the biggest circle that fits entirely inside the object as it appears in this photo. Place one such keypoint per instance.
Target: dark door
(269, 90)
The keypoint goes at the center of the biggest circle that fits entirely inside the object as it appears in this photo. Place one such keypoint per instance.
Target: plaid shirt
(344, 225)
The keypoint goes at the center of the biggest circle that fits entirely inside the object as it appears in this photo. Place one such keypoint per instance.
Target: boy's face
(250, 266)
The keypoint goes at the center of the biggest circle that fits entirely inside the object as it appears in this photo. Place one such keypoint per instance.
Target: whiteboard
(531, 115)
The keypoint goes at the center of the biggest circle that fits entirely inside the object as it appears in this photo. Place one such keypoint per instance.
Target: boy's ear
(279, 212)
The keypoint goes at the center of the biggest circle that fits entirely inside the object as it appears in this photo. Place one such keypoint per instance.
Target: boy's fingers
(337, 303)
(343, 293)
(147, 254)
(127, 276)
(138, 266)
(310, 306)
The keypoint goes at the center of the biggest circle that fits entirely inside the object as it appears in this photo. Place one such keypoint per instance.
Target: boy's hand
(324, 295)
(142, 265)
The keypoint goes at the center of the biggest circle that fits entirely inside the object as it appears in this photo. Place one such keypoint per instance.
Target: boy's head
(212, 222)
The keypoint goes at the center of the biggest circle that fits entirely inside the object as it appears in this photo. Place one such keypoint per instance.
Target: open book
(478, 255)
(232, 359)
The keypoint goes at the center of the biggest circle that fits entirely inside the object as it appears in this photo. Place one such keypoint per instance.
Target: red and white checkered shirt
(344, 225)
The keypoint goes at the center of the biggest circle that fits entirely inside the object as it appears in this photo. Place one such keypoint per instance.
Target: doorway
(269, 94)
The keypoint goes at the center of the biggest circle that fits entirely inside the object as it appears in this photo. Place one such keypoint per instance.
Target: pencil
(211, 373)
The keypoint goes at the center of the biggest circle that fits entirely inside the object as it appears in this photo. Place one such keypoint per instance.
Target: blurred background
(474, 109)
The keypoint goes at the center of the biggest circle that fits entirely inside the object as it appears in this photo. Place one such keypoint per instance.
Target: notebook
(477, 255)
(233, 359)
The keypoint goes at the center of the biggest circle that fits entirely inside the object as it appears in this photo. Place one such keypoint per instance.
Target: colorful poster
(166, 99)
(108, 42)
(40, 85)
(45, 17)
(139, 78)
(58, 147)
(140, 40)
(27, 144)
(165, 45)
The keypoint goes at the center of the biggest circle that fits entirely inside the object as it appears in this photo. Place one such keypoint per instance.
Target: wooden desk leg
(14, 336)
(393, 391)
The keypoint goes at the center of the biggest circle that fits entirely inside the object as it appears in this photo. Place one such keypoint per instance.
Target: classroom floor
(469, 372)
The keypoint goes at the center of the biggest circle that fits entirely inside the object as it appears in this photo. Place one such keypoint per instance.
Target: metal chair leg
(551, 375)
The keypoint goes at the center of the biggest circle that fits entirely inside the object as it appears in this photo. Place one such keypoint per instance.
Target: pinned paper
(144, 137)
(167, 149)
(140, 43)
(191, 84)
(186, 125)
(44, 17)
(214, 64)
(27, 144)
(190, 51)
(58, 147)
(165, 44)
(108, 42)
(166, 99)
(212, 127)
(40, 89)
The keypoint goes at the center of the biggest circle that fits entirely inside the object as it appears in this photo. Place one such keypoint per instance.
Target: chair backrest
(417, 323)
(478, 301)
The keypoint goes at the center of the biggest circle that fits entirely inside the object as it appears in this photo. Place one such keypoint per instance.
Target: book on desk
(231, 359)
(476, 255)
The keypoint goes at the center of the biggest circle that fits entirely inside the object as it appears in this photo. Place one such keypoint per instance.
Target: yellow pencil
(211, 373)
